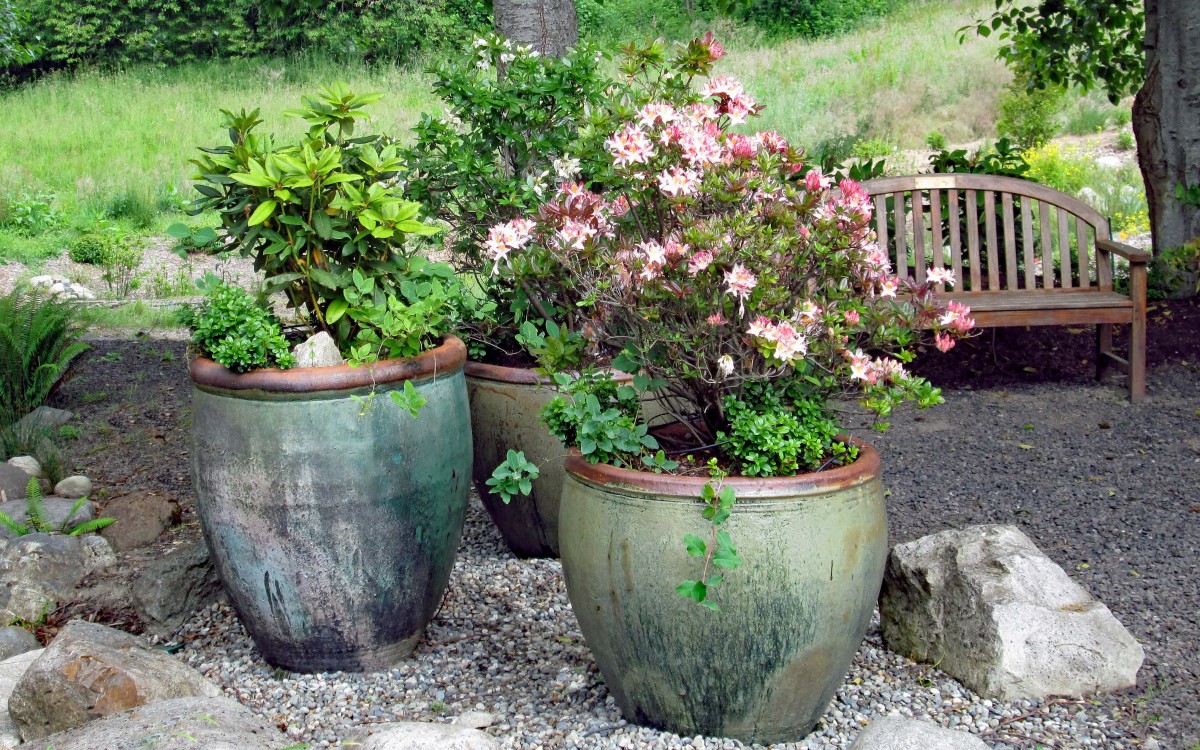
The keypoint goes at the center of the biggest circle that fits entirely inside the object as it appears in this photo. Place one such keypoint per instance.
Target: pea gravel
(1106, 488)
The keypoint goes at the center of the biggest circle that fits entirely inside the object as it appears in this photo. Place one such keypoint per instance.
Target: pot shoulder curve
(447, 358)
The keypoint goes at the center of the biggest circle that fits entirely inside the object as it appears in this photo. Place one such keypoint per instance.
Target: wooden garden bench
(1046, 258)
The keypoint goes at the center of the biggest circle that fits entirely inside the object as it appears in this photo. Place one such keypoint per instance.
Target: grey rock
(74, 487)
(989, 608)
(46, 418)
(97, 553)
(15, 641)
(44, 280)
(90, 671)
(898, 733)
(174, 586)
(140, 519)
(13, 482)
(178, 724)
(416, 735)
(27, 464)
(11, 670)
(57, 512)
(318, 351)
(37, 573)
(475, 720)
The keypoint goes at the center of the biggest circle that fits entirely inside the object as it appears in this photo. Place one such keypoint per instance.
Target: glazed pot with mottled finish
(766, 666)
(506, 408)
(333, 515)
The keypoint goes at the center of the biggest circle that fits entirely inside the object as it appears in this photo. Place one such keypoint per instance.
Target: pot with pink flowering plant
(506, 142)
(747, 292)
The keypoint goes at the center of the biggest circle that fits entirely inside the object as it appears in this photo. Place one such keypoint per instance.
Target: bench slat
(955, 238)
(973, 240)
(1064, 247)
(918, 212)
(901, 229)
(993, 248)
(1085, 261)
(1027, 244)
(1010, 241)
(1047, 246)
(935, 225)
(1040, 299)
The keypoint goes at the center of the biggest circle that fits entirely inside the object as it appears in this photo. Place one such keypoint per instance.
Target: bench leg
(1104, 345)
(1137, 332)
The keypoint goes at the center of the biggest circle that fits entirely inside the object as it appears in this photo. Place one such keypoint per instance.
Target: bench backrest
(996, 233)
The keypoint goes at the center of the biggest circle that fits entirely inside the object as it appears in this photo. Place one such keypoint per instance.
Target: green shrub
(232, 328)
(1029, 117)
(30, 214)
(91, 247)
(872, 148)
(120, 264)
(1088, 117)
(814, 17)
(131, 31)
(935, 141)
(1125, 141)
(39, 339)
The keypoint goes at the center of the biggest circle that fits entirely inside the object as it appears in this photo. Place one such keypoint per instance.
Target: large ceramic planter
(506, 408)
(792, 616)
(333, 520)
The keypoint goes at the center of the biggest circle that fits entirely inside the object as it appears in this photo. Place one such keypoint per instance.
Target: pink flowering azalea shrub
(721, 260)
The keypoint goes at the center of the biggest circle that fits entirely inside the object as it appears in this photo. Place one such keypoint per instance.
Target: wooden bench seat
(1031, 256)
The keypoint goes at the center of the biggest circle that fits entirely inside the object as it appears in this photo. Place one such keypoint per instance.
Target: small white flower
(725, 365)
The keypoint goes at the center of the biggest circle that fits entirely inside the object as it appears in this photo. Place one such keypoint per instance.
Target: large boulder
(37, 573)
(58, 512)
(15, 641)
(11, 670)
(179, 724)
(44, 418)
(90, 671)
(989, 608)
(140, 518)
(899, 733)
(416, 735)
(174, 586)
(73, 487)
(13, 482)
(27, 464)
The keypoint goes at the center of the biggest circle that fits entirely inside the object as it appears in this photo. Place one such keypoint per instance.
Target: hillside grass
(115, 145)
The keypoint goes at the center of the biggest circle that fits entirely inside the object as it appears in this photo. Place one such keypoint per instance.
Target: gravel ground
(1106, 488)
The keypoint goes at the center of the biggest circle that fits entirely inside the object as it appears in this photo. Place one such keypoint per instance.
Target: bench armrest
(1129, 253)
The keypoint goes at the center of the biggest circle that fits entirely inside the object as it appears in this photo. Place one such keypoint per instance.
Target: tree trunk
(550, 26)
(1166, 121)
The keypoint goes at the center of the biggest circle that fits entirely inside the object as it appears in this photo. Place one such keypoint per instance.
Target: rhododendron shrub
(517, 125)
(720, 259)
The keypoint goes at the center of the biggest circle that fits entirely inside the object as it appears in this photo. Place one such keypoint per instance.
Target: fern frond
(12, 525)
(35, 509)
(74, 509)
(88, 527)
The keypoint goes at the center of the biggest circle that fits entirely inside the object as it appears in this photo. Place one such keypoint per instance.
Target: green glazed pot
(766, 666)
(506, 408)
(332, 521)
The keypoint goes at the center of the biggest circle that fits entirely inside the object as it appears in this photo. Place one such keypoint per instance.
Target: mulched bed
(1106, 488)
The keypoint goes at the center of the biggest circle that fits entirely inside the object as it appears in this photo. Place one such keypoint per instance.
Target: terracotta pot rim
(518, 375)
(865, 469)
(446, 358)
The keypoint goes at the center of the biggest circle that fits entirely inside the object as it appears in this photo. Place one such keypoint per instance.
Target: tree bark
(550, 26)
(1166, 121)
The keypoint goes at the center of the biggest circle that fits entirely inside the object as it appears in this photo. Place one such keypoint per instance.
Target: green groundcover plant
(326, 223)
(743, 288)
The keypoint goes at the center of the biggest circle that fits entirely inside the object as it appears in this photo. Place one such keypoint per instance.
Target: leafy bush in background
(170, 31)
(813, 17)
(1030, 117)
(39, 339)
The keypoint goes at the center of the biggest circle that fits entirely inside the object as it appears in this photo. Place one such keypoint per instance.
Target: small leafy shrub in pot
(232, 328)
(742, 286)
(325, 221)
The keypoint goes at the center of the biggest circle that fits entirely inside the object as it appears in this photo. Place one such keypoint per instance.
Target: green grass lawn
(115, 145)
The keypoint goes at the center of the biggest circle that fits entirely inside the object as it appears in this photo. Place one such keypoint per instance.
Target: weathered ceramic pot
(506, 408)
(766, 666)
(332, 514)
